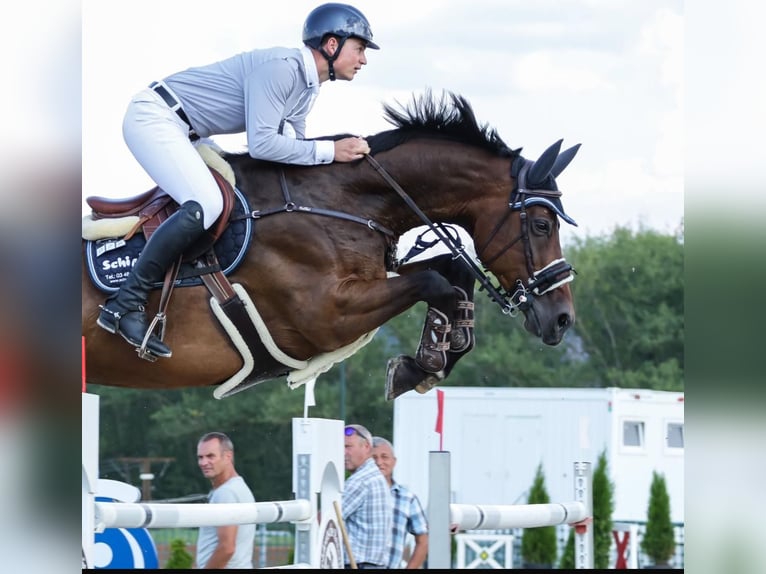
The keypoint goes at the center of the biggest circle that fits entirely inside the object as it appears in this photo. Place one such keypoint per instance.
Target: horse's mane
(449, 116)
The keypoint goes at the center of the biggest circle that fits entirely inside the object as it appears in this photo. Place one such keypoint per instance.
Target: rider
(267, 93)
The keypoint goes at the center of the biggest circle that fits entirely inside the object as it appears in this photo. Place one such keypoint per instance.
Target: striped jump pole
(159, 515)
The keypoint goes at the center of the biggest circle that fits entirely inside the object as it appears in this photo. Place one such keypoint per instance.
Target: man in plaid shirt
(408, 512)
(368, 508)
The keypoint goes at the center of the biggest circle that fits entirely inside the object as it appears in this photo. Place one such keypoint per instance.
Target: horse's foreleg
(448, 332)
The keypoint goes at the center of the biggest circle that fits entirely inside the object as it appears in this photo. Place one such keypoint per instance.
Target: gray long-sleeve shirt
(267, 93)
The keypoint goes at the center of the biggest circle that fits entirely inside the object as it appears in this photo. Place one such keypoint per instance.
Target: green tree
(629, 296)
(538, 545)
(179, 558)
(658, 542)
(603, 507)
(567, 561)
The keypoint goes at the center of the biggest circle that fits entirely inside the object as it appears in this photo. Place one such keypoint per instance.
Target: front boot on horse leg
(462, 337)
(431, 355)
(125, 312)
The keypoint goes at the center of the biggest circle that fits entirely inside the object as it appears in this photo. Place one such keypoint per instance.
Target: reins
(540, 282)
(457, 249)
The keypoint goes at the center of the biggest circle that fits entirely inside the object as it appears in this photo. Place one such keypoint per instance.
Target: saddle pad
(110, 260)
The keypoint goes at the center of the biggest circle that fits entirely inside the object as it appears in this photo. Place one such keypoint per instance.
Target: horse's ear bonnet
(541, 175)
(339, 20)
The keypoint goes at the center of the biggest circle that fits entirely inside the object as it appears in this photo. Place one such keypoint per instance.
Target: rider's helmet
(339, 20)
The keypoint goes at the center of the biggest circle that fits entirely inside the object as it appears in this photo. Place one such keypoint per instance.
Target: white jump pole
(497, 517)
(159, 515)
(442, 515)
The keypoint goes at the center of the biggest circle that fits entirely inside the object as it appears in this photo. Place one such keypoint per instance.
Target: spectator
(368, 508)
(223, 546)
(408, 512)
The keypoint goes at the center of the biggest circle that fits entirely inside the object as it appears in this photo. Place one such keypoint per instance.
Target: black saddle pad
(110, 260)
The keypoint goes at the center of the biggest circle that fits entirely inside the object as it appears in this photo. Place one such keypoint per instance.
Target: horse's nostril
(564, 321)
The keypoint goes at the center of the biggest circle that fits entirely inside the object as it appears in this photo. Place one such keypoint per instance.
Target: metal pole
(264, 543)
(583, 486)
(439, 492)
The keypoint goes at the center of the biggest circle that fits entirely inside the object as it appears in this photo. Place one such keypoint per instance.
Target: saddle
(154, 206)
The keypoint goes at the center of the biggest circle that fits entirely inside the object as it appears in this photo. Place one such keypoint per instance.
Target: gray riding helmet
(339, 20)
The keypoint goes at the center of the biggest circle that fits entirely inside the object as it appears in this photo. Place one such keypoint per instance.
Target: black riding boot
(124, 312)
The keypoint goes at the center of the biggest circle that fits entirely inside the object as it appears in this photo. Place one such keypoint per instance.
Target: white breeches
(159, 140)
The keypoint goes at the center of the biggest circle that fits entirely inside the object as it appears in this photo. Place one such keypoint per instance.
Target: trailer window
(675, 435)
(633, 433)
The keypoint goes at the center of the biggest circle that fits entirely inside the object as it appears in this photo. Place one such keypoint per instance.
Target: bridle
(540, 281)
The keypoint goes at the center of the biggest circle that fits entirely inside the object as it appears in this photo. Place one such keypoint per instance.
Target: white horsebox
(497, 436)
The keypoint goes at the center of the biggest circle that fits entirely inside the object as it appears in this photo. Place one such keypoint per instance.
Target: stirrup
(143, 351)
(434, 342)
(462, 338)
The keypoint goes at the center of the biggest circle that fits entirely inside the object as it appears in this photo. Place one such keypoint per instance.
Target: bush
(658, 542)
(538, 545)
(179, 559)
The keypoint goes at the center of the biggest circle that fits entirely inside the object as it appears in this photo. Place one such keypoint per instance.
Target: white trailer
(498, 436)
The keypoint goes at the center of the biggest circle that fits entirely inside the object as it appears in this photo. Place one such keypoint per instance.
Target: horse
(321, 274)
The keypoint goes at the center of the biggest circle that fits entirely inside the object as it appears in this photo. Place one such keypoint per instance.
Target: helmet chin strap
(331, 59)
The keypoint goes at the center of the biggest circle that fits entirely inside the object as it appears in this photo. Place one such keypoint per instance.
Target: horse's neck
(442, 177)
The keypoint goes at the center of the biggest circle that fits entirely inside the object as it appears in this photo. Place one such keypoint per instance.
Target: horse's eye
(542, 227)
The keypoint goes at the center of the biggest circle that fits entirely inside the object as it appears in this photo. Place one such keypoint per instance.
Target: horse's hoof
(394, 386)
(431, 380)
(403, 374)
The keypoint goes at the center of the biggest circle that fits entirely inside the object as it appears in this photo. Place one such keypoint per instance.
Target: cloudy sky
(604, 73)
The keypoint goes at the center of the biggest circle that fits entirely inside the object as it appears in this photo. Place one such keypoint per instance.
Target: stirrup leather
(434, 342)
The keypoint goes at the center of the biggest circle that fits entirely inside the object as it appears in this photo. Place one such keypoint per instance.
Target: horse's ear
(563, 160)
(539, 171)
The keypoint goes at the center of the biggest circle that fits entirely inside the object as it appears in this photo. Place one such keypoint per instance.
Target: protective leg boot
(431, 355)
(125, 312)
(461, 336)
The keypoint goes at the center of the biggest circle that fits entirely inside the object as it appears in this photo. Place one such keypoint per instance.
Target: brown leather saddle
(154, 206)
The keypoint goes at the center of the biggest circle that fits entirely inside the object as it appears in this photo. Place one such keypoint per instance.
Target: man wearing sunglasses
(368, 507)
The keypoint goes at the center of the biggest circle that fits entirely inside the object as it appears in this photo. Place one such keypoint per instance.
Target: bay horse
(322, 274)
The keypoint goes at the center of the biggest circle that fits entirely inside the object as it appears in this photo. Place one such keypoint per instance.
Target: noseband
(540, 282)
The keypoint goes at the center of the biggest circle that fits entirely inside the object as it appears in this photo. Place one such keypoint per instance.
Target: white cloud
(548, 71)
